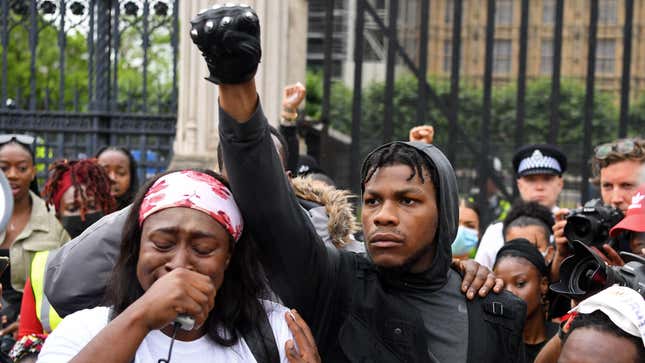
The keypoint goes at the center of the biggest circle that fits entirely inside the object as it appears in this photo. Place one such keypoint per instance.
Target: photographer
(616, 167)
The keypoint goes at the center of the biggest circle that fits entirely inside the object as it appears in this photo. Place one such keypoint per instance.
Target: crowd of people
(266, 260)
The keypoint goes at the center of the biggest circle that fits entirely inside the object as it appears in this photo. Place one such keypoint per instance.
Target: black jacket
(348, 302)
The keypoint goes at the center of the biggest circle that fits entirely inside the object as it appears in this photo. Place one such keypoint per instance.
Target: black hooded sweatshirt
(358, 312)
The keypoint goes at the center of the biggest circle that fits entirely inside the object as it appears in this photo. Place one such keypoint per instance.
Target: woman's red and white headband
(195, 190)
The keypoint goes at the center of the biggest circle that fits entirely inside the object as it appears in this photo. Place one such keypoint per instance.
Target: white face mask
(465, 241)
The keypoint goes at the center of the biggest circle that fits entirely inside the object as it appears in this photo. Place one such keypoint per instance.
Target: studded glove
(229, 38)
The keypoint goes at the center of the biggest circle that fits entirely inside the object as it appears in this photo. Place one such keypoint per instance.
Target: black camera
(585, 273)
(591, 223)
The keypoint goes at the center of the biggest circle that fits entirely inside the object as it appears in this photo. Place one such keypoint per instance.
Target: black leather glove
(229, 38)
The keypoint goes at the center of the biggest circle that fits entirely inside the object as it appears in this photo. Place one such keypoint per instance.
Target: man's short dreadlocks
(399, 153)
(95, 183)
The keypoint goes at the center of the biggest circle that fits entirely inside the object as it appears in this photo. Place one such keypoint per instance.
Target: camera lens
(584, 273)
(581, 228)
(587, 277)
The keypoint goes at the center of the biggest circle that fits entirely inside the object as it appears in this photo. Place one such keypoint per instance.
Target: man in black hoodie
(402, 303)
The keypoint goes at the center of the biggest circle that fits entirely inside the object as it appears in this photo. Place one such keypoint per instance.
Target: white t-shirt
(78, 329)
(491, 242)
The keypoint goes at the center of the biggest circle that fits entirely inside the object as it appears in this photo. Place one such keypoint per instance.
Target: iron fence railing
(82, 74)
(470, 151)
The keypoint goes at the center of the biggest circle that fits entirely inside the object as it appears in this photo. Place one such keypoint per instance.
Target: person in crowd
(31, 228)
(296, 164)
(308, 165)
(498, 204)
(403, 303)
(539, 170)
(521, 265)
(308, 168)
(79, 191)
(606, 327)
(65, 278)
(465, 244)
(292, 97)
(595, 338)
(532, 221)
(633, 225)
(616, 168)
(122, 170)
(185, 253)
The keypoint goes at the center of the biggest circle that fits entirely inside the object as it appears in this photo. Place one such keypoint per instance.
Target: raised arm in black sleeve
(304, 273)
(290, 134)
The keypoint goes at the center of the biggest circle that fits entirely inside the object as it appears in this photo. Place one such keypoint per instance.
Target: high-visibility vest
(48, 317)
(41, 152)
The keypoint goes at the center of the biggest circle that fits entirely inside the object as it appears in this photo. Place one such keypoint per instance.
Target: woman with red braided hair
(79, 191)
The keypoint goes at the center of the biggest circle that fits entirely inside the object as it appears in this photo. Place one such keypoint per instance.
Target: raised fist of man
(229, 38)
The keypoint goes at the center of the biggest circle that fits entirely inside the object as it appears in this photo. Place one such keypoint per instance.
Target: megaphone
(6, 202)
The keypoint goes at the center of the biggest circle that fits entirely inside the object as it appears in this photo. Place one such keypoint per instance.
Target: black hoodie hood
(448, 212)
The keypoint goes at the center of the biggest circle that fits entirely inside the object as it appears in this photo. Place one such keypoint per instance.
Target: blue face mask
(465, 242)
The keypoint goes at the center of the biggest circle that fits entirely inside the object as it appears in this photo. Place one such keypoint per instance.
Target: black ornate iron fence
(401, 38)
(83, 74)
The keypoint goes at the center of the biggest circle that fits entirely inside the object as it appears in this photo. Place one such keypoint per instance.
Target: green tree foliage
(130, 75)
(76, 68)
(47, 67)
(503, 114)
(571, 115)
(341, 102)
(637, 118)
(314, 97)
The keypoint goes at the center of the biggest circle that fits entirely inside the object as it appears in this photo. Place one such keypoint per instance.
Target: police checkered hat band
(539, 159)
(538, 163)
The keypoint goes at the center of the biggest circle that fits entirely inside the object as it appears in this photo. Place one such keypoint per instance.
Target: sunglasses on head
(22, 139)
(623, 146)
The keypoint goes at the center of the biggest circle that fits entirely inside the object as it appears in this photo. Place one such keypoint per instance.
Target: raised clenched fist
(229, 38)
(423, 133)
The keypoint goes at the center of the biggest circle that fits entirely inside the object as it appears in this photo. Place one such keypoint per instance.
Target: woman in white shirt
(183, 254)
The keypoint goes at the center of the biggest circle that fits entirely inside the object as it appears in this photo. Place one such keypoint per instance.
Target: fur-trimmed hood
(341, 221)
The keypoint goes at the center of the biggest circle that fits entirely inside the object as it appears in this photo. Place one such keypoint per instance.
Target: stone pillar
(284, 43)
